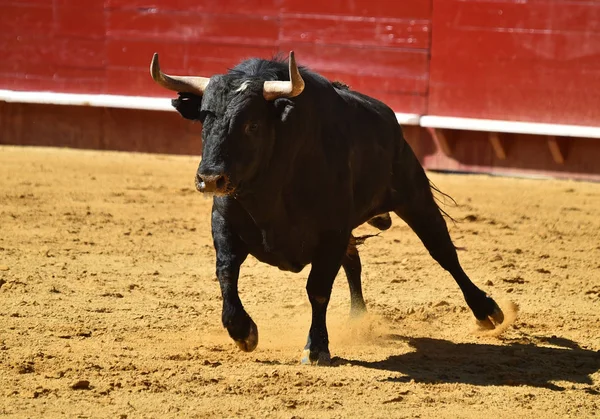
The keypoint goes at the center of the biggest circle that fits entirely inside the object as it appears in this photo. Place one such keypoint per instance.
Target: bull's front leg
(325, 266)
(231, 253)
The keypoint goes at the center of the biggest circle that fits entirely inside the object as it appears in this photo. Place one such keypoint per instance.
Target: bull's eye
(251, 128)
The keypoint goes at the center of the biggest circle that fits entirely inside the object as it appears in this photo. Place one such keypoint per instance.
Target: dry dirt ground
(109, 306)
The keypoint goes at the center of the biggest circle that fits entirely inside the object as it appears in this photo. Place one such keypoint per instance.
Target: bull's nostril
(221, 183)
(211, 183)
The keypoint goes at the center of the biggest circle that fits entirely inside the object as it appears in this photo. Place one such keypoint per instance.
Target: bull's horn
(185, 84)
(276, 89)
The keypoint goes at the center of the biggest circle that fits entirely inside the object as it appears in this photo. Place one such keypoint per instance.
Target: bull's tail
(436, 192)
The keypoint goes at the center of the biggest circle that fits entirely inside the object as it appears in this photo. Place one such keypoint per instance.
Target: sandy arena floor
(109, 306)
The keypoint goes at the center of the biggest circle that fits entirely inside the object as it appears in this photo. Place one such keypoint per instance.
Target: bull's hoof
(495, 319)
(486, 324)
(249, 344)
(497, 316)
(322, 359)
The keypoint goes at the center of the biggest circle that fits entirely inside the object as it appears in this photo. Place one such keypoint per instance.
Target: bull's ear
(188, 105)
(284, 108)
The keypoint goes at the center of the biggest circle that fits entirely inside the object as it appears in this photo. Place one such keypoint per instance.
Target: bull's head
(239, 116)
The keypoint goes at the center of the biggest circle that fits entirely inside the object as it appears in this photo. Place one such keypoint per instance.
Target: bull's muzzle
(212, 183)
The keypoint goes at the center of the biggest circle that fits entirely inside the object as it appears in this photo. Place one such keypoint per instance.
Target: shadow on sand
(442, 361)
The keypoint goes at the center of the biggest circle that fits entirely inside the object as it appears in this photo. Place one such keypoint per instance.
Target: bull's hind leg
(353, 268)
(424, 217)
(416, 206)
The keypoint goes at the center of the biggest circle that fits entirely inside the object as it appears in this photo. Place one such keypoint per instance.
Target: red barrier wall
(105, 46)
(536, 60)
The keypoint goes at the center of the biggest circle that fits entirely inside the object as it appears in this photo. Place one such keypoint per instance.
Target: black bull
(295, 163)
